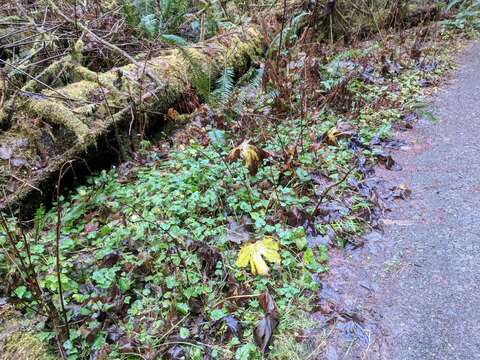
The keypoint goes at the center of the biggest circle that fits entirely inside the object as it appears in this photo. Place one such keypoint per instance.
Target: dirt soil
(411, 291)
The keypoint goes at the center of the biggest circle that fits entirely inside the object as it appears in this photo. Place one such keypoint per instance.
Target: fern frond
(257, 79)
(225, 86)
(247, 88)
(247, 77)
(253, 78)
(452, 4)
(269, 97)
(289, 33)
(241, 101)
(174, 40)
(154, 17)
(199, 78)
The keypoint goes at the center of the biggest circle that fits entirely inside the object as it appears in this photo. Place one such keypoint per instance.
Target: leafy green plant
(288, 35)
(467, 14)
(199, 77)
(225, 86)
(22, 252)
(152, 18)
(150, 250)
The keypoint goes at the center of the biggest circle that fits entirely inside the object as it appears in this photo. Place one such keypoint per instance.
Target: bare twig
(26, 183)
(37, 80)
(29, 276)
(284, 16)
(328, 189)
(235, 297)
(57, 247)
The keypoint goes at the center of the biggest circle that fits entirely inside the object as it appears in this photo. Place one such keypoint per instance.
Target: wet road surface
(432, 309)
(412, 292)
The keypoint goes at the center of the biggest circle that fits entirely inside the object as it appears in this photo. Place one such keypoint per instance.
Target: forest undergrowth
(212, 240)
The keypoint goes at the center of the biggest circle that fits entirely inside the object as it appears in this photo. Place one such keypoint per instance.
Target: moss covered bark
(17, 342)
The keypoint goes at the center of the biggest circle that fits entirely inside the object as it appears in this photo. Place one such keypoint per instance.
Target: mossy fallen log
(51, 126)
(18, 342)
(356, 20)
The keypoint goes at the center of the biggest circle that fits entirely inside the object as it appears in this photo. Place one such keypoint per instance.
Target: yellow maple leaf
(255, 253)
(172, 114)
(332, 135)
(250, 154)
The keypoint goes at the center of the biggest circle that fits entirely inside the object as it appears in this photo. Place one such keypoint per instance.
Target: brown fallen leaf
(91, 227)
(402, 191)
(237, 233)
(265, 328)
(234, 326)
(331, 137)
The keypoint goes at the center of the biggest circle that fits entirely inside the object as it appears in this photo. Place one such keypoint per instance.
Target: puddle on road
(348, 301)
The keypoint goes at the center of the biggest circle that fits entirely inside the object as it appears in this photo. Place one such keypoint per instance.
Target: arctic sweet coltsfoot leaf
(255, 254)
(332, 135)
(251, 155)
(172, 114)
